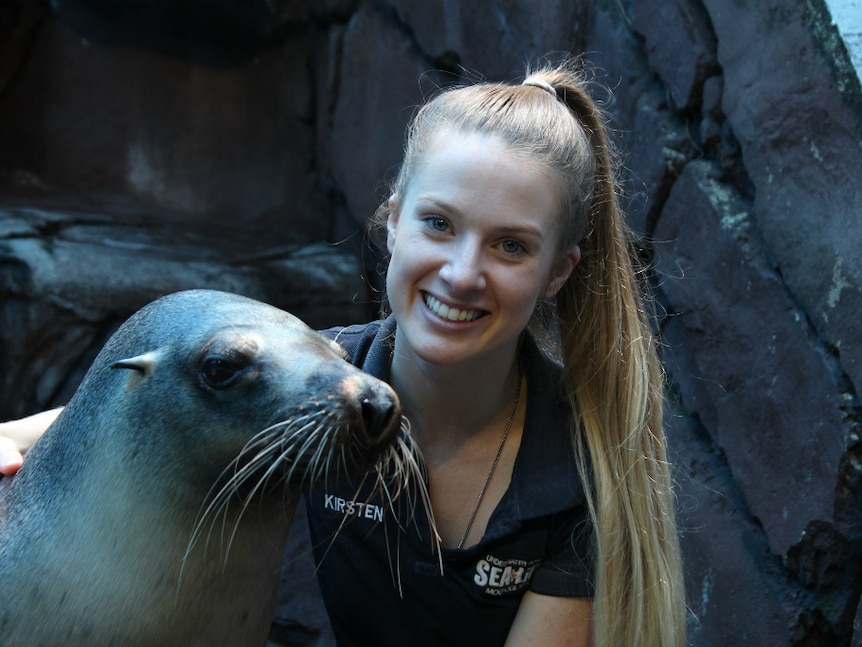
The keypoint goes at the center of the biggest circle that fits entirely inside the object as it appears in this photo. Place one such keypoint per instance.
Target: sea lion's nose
(378, 415)
(379, 411)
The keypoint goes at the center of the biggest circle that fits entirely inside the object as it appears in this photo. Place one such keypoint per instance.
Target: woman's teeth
(452, 314)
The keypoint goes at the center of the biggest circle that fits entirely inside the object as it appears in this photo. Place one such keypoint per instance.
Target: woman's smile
(450, 313)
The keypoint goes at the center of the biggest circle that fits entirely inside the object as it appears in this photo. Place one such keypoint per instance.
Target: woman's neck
(454, 399)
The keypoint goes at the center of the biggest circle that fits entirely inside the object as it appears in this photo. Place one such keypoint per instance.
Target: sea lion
(154, 511)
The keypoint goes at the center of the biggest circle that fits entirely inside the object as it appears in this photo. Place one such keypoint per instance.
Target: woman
(549, 485)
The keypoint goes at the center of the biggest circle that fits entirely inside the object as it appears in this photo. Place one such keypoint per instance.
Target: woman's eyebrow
(525, 228)
(442, 204)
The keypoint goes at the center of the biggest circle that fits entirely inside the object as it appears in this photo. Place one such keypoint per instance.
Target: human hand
(17, 436)
(11, 458)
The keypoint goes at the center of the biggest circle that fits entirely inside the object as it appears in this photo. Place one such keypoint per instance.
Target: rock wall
(146, 147)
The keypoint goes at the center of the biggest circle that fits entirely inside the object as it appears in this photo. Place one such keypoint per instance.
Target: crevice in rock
(446, 64)
(793, 592)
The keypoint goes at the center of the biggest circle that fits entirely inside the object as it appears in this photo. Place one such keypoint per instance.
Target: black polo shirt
(381, 576)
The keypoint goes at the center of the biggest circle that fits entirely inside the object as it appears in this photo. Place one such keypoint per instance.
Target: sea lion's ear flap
(142, 363)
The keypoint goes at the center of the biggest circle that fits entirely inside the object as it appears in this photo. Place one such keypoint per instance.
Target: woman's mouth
(450, 314)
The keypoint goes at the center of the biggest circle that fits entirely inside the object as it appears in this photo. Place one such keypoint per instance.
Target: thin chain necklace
(494, 464)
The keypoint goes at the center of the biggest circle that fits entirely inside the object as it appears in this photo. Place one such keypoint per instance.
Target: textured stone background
(151, 146)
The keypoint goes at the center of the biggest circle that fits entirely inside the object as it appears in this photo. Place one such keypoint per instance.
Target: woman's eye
(512, 247)
(437, 223)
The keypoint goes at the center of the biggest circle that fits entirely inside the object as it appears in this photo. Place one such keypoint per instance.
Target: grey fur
(115, 531)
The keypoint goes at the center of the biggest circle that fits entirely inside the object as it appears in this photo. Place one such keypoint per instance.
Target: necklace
(494, 464)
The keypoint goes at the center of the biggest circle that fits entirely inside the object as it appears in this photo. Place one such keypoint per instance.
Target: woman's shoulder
(368, 344)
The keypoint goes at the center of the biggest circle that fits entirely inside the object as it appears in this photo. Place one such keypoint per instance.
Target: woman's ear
(392, 222)
(563, 270)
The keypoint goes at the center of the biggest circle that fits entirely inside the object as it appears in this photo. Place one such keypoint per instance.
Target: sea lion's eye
(219, 371)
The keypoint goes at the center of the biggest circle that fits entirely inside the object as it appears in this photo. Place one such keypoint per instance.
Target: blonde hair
(612, 375)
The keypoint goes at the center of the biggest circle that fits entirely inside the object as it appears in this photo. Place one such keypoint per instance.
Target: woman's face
(474, 243)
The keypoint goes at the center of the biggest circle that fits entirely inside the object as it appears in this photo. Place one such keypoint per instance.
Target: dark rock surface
(146, 147)
(69, 279)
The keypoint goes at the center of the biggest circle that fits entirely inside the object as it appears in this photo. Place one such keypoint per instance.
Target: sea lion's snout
(370, 413)
(380, 414)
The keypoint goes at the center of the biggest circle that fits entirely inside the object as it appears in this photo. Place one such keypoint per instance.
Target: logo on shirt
(502, 576)
(351, 508)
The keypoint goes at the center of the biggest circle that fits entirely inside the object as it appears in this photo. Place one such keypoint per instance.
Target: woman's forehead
(459, 170)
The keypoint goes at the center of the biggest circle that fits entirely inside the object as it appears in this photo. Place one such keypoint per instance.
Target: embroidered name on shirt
(351, 508)
(501, 576)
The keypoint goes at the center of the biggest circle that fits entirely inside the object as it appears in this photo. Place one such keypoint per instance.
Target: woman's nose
(464, 268)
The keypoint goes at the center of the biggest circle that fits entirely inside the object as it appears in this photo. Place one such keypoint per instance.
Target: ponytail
(614, 384)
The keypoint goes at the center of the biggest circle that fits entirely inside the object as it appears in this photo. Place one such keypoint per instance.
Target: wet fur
(155, 510)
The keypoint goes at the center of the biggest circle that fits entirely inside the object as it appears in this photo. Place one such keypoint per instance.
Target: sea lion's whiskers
(403, 461)
(296, 438)
(263, 445)
(216, 501)
(399, 478)
(343, 461)
(344, 456)
(324, 464)
(320, 463)
(313, 469)
(307, 451)
(306, 454)
(278, 439)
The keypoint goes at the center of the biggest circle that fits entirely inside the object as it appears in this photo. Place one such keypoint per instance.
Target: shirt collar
(545, 478)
